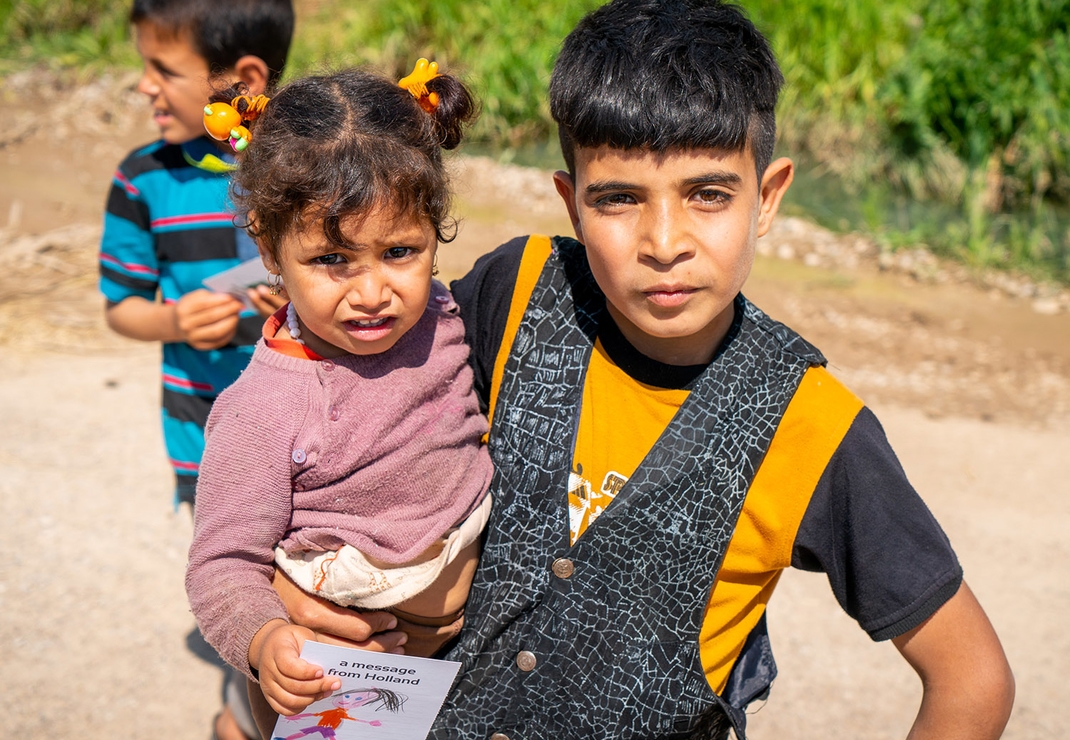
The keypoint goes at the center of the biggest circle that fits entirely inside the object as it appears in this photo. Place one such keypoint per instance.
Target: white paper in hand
(239, 279)
(383, 696)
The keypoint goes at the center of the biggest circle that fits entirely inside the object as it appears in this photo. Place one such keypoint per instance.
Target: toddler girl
(349, 452)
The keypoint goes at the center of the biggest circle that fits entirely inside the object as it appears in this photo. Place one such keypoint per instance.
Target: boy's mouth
(669, 296)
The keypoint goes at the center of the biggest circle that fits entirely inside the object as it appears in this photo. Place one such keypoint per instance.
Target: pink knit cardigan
(381, 452)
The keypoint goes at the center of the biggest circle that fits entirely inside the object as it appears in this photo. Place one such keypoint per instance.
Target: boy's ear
(566, 188)
(775, 182)
(253, 71)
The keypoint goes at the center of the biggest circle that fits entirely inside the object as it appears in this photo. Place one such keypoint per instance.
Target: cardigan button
(499, 736)
(299, 456)
(526, 660)
(563, 567)
(334, 414)
(327, 365)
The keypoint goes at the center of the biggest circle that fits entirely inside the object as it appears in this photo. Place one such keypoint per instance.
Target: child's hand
(206, 320)
(265, 303)
(289, 683)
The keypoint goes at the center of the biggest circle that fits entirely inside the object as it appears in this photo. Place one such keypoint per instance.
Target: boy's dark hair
(223, 31)
(333, 147)
(666, 75)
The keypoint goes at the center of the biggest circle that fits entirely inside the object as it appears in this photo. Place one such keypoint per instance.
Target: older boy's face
(175, 79)
(670, 239)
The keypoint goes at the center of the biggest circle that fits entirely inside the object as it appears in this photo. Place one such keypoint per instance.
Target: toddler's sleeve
(243, 508)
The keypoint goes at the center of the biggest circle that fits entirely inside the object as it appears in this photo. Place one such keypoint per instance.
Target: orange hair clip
(226, 121)
(416, 84)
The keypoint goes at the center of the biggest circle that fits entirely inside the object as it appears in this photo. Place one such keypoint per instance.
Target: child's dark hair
(666, 75)
(328, 148)
(224, 32)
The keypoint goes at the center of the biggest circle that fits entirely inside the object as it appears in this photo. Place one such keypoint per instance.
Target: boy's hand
(265, 303)
(289, 683)
(336, 625)
(205, 320)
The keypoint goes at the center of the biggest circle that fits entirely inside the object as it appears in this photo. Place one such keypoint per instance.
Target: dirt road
(972, 386)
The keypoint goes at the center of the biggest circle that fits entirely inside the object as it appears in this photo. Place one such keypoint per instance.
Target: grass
(941, 123)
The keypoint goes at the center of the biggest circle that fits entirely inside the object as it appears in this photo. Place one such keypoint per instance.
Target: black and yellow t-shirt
(829, 496)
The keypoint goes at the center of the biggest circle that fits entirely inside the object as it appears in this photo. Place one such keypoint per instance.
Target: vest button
(563, 567)
(499, 736)
(526, 660)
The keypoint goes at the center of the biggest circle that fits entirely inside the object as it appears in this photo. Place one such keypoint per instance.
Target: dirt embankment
(970, 377)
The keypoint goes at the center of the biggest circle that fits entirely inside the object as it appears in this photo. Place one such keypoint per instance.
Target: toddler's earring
(434, 266)
(274, 283)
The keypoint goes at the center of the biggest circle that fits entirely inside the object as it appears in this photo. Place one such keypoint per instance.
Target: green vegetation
(87, 36)
(941, 123)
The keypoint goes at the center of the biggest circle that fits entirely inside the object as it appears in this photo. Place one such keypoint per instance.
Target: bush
(86, 35)
(989, 81)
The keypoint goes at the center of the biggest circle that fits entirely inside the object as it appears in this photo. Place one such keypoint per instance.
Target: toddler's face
(361, 298)
(175, 78)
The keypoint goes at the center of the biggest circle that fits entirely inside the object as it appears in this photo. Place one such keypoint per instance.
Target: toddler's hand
(207, 320)
(289, 683)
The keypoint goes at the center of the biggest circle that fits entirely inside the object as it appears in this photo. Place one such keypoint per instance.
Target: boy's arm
(968, 685)
(202, 319)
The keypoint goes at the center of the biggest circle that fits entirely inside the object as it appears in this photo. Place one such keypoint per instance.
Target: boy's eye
(329, 259)
(711, 196)
(615, 199)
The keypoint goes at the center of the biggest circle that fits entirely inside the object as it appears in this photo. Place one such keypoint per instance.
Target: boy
(664, 449)
(168, 223)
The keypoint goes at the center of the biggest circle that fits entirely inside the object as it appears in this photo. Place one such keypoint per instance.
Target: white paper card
(383, 696)
(236, 280)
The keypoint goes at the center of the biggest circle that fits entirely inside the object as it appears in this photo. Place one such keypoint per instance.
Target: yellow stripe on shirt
(814, 424)
(536, 252)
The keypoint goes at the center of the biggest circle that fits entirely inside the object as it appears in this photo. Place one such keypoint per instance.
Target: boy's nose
(146, 85)
(664, 237)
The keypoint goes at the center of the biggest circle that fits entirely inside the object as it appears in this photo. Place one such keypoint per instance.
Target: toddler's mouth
(370, 323)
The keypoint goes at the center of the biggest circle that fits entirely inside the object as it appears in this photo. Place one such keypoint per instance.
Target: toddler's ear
(270, 264)
(253, 71)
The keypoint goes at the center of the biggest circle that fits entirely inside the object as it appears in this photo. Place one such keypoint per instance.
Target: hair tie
(416, 84)
(226, 121)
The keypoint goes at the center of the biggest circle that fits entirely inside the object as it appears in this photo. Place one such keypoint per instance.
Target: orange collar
(284, 345)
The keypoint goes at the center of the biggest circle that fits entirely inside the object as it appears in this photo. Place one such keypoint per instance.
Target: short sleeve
(128, 262)
(888, 561)
(484, 295)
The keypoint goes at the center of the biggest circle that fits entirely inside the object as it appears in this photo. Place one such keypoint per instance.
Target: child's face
(670, 239)
(362, 298)
(175, 78)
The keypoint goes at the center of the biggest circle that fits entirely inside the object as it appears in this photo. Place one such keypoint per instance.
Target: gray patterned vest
(600, 640)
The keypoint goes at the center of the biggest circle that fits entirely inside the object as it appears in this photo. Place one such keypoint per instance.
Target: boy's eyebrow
(715, 178)
(707, 178)
(161, 66)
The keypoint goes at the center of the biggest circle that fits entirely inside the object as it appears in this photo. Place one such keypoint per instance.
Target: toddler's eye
(397, 253)
(329, 259)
